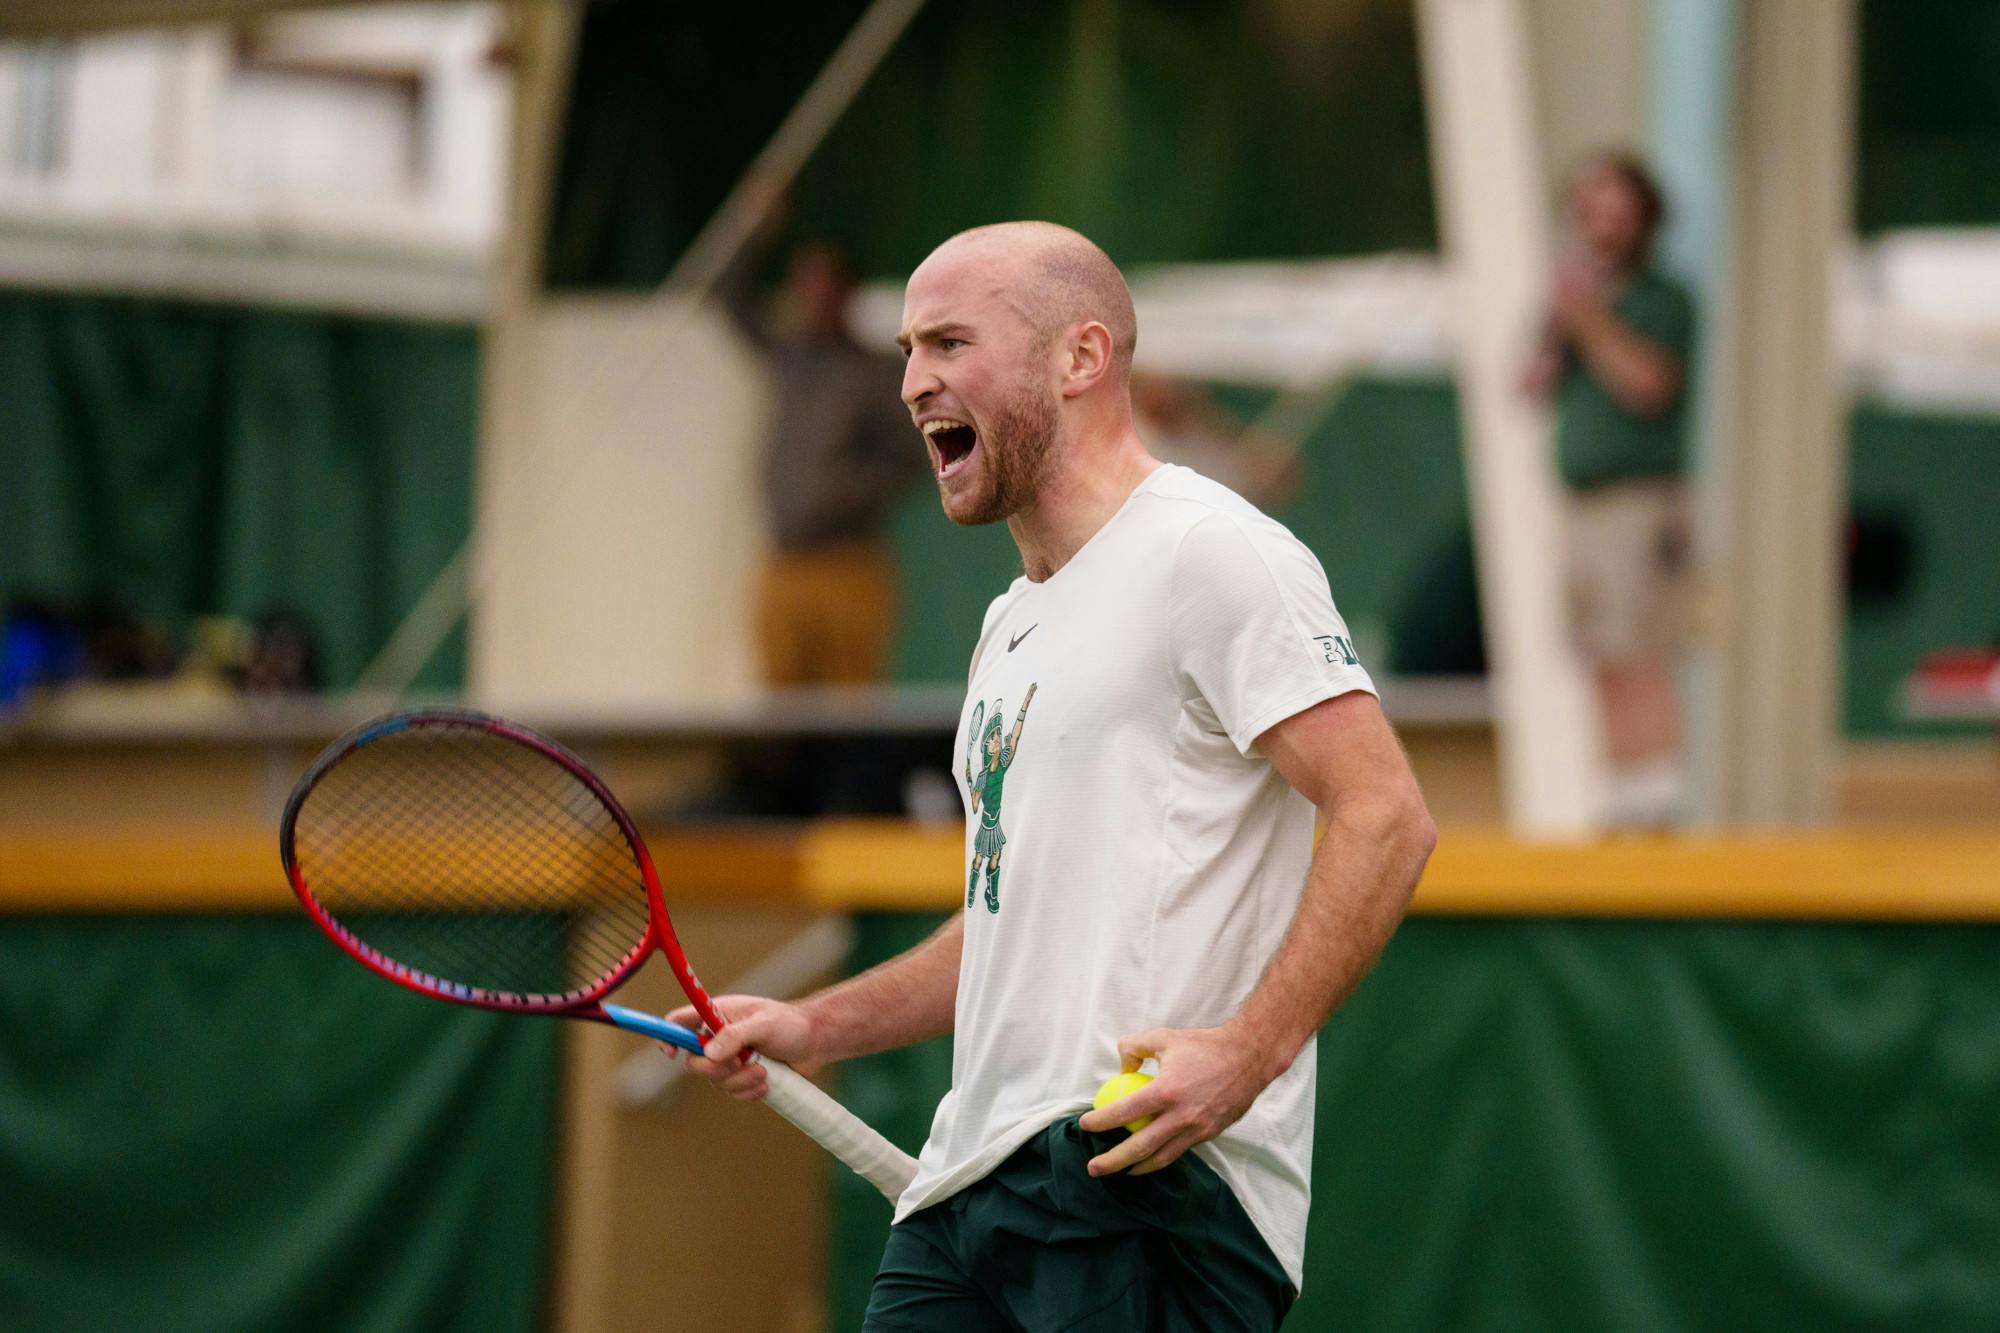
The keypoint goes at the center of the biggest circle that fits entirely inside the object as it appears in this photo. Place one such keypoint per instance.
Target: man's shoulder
(1181, 498)
(1189, 504)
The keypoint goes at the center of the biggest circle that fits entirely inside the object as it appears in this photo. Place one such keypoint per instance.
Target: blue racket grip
(632, 1020)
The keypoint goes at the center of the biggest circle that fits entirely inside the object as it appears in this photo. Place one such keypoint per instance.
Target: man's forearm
(908, 999)
(1640, 374)
(1360, 882)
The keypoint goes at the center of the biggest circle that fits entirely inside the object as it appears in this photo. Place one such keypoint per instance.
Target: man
(835, 459)
(1614, 361)
(1194, 697)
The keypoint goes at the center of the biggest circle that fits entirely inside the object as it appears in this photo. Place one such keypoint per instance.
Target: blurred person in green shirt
(1613, 363)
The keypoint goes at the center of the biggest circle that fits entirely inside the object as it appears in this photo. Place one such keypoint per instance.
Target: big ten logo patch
(1338, 649)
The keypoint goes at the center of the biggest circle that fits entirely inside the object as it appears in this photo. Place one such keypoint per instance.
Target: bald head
(1055, 279)
(1019, 342)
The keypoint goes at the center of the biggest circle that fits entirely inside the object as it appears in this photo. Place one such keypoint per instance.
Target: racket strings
(502, 887)
(522, 933)
(455, 851)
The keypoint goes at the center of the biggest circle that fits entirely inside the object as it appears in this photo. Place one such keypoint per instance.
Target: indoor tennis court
(540, 358)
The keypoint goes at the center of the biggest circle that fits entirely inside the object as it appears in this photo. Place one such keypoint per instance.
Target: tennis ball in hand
(1123, 1085)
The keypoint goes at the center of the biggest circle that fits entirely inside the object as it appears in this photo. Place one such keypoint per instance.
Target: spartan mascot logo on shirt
(985, 781)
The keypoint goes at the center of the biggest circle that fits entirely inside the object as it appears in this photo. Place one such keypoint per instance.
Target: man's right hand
(750, 1022)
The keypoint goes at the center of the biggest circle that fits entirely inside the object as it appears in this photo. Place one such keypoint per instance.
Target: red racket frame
(659, 927)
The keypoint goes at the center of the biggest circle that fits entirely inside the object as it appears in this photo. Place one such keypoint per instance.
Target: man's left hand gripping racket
(474, 861)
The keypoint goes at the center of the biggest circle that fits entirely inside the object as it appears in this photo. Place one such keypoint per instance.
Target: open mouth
(953, 442)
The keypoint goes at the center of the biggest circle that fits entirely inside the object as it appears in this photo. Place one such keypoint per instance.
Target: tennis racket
(477, 862)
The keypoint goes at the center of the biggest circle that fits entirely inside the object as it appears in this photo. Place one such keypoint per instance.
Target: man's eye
(950, 343)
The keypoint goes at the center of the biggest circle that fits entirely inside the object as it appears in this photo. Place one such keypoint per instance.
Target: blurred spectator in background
(1613, 361)
(41, 646)
(1181, 422)
(103, 650)
(281, 656)
(838, 450)
(49, 644)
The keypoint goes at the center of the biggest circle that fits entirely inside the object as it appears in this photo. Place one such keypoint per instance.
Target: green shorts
(1040, 1245)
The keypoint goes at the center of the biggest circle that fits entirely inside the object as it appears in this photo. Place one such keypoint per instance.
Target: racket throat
(659, 1029)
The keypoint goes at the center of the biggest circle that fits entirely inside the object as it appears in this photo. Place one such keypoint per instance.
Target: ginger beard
(1014, 445)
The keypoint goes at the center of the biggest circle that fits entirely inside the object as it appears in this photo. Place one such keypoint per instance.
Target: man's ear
(1089, 358)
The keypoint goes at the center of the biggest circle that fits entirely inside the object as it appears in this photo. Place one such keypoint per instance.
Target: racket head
(476, 861)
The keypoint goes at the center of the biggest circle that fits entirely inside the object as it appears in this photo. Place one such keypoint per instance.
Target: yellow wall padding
(890, 865)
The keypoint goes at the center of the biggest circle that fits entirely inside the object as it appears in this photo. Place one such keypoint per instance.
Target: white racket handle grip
(789, 1093)
(837, 1129)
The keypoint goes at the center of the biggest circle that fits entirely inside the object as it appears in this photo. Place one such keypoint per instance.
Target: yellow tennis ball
(1123, 1085)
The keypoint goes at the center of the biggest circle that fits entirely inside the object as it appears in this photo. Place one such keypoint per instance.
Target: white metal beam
(1783, 447)
(1493, 214)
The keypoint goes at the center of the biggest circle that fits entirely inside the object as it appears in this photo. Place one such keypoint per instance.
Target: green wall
(223, 1123)
(1929, 115)
(185, 459)
(1197, 130)
(1940, 477)
(1587, 1125)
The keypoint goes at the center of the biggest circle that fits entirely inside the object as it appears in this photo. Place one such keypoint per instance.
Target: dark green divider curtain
(186, 459)
(1929, 115)
(1196, 130)
(1924, 490)
(1619, 1125)
(213, 1124)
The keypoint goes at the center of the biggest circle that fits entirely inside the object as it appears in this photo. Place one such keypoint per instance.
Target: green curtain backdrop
(1587, 1125)
(186, 459)
(1197, 130)
(1929, 115)
(217, 1124)
(1939, 478)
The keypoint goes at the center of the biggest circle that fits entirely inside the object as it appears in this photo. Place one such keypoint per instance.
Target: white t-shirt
(1150, 859)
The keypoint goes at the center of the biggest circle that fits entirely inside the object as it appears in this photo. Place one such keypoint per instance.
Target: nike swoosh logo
(1014, 643)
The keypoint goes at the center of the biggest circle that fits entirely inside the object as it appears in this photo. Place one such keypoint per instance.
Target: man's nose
(918, 383)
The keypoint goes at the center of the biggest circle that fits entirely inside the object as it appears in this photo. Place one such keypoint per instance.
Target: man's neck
(1087, 485)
